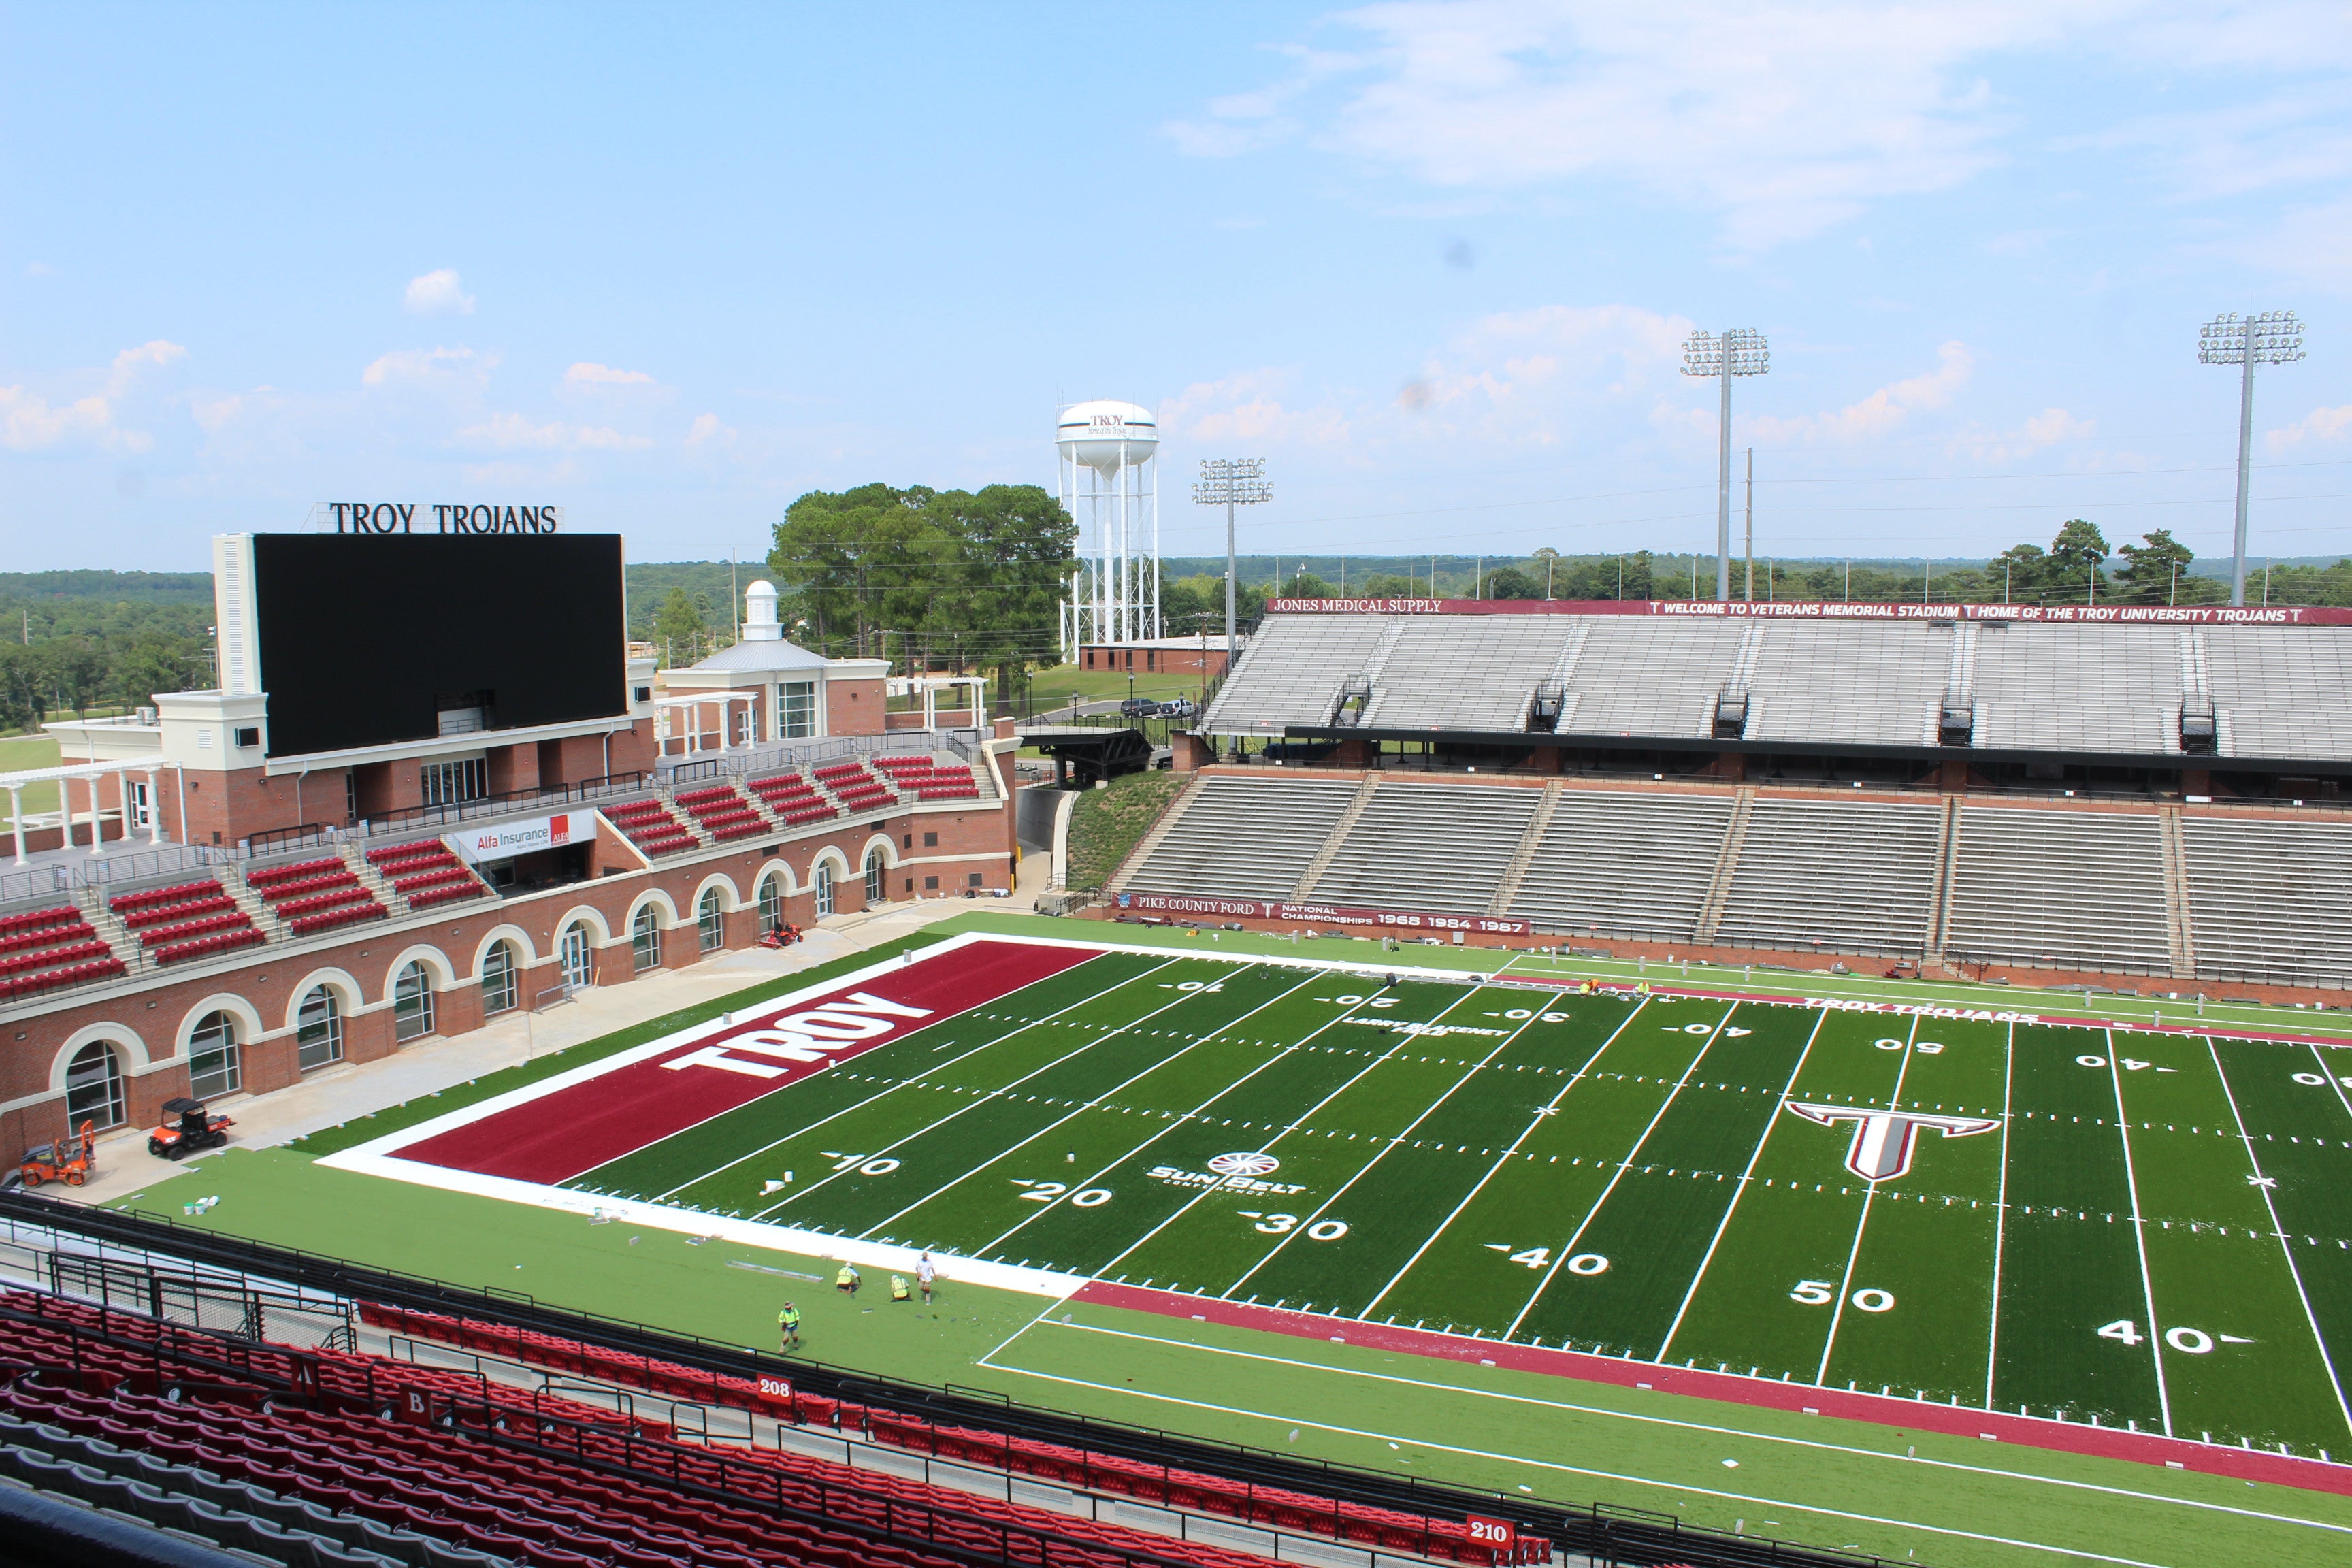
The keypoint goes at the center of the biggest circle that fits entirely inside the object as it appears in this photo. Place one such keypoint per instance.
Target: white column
(155, 811)
(97, 824)
(16, 818)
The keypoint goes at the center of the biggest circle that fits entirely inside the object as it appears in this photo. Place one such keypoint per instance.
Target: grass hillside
(1107, 824)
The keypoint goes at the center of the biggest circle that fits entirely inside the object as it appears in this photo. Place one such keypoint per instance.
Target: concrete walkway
(337, 1094)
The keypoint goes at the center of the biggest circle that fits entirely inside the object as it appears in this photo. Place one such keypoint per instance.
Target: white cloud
(1880, 413)
(1782, 118)
(2051, 427)
(1247, 407)
(438, 293)
(2319, 424)
(508, 432)
(429, 367)
(585, 374)
(709, 431)
(30, 421)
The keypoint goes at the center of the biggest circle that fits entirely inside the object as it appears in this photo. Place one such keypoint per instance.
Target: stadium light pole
(2274, 337)
(1741, 351)
(1231, 482)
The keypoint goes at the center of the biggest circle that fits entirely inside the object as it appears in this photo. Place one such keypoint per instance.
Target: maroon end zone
(707, 1070)
(1958, 1421)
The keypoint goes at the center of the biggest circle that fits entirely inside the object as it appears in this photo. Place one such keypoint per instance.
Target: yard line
(1288, 1128)
(992, 1094)
(903, 1083)
(2000, 1211)
(987, 1246)
(2139, 1235)
(1678, 1423)
(1324, 1208)
(1862, 1222)
(1680, 1489)
(2335, 1080)
(2285, 1246)
(1091, 1104)
(1533, 1123)
(1568, 1248)
(1741, 1191)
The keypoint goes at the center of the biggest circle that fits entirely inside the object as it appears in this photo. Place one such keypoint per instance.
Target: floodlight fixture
(1231, 482)
(2273, 337)
(1741, 351)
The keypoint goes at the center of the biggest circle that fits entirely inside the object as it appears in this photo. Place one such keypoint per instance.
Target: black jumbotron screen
(364, 639)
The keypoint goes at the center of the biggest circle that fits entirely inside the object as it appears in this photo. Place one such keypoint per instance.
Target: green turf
(1574, 1169)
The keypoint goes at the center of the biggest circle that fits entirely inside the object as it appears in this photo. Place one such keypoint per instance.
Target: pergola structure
(692, 703)
(89, 773)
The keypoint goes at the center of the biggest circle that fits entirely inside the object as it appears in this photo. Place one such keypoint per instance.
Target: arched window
(319, 1030)
(579, 959)
(645, 939)
(501, 978)
(824, 875)
(771, 905)
(412, 1003)
(712, 919)
(94, 1087)
(877, 882)
(215, 1062)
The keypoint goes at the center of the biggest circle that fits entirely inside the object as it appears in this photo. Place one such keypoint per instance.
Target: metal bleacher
(2068, 889)
(1456, 672)
(1245, 837)
(1432, 848)
(1643, 677)
(2268, 900)
(1292, 671)
(1849, 684)
(1625, 865)
(1842, 875)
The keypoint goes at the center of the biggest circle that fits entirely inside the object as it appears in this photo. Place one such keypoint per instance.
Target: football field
(2139, 1230)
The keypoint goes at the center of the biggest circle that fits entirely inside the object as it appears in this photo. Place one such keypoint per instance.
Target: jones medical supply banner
(1832, 610)
(512, 838)
(1321, 914)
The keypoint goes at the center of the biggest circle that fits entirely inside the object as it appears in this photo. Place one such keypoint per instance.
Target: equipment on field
(70, 1160)
(194, 1132)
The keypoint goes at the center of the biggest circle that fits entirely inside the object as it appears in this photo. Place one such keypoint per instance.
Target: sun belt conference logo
(1246, 1165)
(1882, 1140)
(1126, 900)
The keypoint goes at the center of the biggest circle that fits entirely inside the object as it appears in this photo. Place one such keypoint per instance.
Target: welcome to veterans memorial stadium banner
(1832, 610)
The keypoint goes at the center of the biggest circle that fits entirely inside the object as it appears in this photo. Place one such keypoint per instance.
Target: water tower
(1111, 487)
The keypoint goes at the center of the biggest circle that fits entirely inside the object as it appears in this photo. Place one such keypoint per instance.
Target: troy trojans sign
(1881, 1150)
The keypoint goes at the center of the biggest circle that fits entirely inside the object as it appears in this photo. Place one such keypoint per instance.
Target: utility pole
(1752, 528)
(1231, 481)
(1741, 351)
(2274, 337)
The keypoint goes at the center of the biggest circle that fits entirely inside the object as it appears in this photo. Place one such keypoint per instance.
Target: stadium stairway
(1524, 855)
(1305, 888)
(2180, 937)
(1158, 831)
(1726, 864)
(118, 937)
(249, 899)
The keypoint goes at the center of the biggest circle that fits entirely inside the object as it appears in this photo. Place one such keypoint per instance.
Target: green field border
(1759, 980)
(410, 1113)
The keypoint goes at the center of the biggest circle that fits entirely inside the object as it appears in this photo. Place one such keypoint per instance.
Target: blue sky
(669, 268)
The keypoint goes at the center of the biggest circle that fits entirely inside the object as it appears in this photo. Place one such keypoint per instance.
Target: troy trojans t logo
(1881, 1150)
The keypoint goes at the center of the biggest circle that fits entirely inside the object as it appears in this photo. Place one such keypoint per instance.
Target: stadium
(1627, 1083)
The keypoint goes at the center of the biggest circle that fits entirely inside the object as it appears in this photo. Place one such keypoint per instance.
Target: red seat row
(51, 979)
(423, 851)
(648, 825)
(694, 797)
(164, 914)
(33, 920)
(152, 898)
(317, 882)
(231, 919)
(346, 914)
(271, 876)
(450, 894)
(222, 941)
(436, 877)
(351, 893)
(24, 962)
(47, 935)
